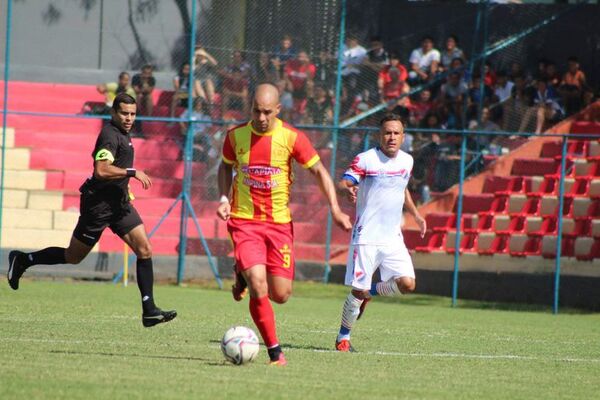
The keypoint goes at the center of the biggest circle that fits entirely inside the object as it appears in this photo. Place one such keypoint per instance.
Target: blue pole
(189, 139)
(334, 136)
(5, 108)
(459, 206)
(561, 201)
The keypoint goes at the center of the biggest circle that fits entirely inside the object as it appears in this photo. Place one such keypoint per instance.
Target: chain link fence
(193, 66)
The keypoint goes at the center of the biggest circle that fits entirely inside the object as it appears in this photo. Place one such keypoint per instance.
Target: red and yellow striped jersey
(262, 162)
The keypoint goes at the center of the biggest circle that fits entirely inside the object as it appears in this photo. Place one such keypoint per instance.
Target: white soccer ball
(240, 345)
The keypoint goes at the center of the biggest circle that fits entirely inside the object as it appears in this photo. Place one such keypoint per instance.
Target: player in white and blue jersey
(376, 181)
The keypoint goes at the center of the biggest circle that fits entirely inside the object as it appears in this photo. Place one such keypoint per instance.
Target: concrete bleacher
(48, 158)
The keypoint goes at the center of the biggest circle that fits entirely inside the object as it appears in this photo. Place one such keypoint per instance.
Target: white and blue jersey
(380, 199)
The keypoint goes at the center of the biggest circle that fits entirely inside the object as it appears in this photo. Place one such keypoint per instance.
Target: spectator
(205, 75)
(266, 70)
(549, 110)
(299, 75)
(421, 107)
(552, 76)
(391, 82)
(475, 91)
(490, 74)
(353, 56)
(235, 91)
(181, 85)
(572, 86)
(110, 90)
(203, 149)
(486, 125)
(377, 59)
(447, 163)
(450, 52)
(503, 87)
(143, 84)
(319, 108)
(517, 106)
(325, 66)
(424, 62)
(239, 64)
(452, 95)
(516, 70)
(285, 99)
(284, 51)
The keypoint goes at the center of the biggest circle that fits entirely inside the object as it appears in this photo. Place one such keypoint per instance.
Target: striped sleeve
(357, 170)
(228, 154)
(303, 151)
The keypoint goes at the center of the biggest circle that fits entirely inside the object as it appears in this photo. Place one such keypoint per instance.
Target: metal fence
(339, 66)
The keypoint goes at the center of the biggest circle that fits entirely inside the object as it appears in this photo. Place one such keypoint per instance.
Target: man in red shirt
(299, 74)
(255, 205)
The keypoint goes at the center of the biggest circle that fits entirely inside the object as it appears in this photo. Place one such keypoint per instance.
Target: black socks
(274, 353)
(145, 281)
(47, 256)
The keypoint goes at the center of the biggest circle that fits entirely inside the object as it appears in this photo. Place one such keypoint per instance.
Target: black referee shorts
(97, 213)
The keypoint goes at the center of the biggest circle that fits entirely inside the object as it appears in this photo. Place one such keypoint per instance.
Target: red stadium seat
(489, 243)
(522, 245)
(535, 166)
(436, 242)
(468, 241)
(586, 249)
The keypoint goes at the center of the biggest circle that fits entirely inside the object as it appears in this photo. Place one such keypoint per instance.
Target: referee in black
(105, 202)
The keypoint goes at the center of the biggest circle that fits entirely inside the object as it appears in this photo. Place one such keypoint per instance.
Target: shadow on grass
(206, 361)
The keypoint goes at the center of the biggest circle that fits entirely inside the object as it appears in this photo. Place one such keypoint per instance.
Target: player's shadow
(289, 346)
(207, 361)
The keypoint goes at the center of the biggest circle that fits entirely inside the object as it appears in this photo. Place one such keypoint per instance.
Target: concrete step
(16, 158)
(45, 200)
(14, 198)
(38, 238)
(64, 220)
(24, 179)
(24, 218)
(10, 137)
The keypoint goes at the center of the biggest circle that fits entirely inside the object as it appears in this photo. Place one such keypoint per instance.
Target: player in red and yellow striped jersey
(255, 204)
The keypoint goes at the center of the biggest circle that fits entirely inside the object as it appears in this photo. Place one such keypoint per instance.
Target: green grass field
(68, 340)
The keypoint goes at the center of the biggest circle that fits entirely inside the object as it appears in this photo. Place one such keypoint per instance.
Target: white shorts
(363, 260)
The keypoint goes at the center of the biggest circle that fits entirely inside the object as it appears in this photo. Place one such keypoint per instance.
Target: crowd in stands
(432, 90)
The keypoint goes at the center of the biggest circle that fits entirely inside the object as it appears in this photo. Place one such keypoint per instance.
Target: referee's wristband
(224, 199)
(131, 172)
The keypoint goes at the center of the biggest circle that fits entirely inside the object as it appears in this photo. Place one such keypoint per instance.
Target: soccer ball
(239, 345)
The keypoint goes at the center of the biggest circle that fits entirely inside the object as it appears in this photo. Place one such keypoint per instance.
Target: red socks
(262, 314)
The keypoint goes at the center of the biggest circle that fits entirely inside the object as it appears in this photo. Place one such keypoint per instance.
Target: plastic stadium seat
(437, 219)
(468, 241)
(522, 245)
(575, 148)
(519, 205)
(594, 189)
(585, 127)
(582, 207)
(593, 153)
(502, 185)
(585, 168)
(535, 166)
(549, 206)
(573, 228)
(549, 246)
(436, 242)
(595, 228)
(586, 249)
(469, 221)
(474, 203)
(488, 243)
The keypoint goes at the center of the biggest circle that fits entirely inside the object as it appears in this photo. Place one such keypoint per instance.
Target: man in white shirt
(424, 62)
(353, 56)
(503, 89)
(377, 182)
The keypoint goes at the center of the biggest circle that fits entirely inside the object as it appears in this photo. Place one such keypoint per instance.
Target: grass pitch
(86, 341)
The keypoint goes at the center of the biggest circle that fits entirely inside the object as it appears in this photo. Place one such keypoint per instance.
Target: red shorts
(265, 243)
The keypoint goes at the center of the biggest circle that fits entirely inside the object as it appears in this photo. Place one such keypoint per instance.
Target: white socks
(349, 315)
(388, 288)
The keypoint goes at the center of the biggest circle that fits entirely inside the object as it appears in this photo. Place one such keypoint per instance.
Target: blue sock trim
(344, 330)
(373, 291)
